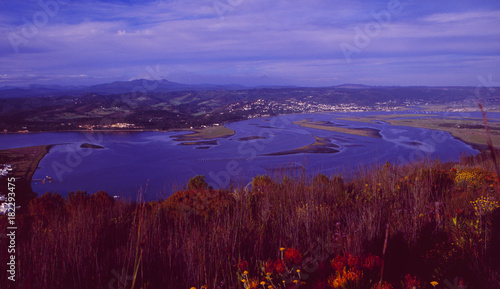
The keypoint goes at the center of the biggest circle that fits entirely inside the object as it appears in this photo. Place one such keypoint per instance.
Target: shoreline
(25, 161)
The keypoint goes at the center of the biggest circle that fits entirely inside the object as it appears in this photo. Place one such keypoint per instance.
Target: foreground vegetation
(388, 227)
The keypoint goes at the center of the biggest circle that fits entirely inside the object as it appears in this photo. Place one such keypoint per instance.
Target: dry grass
(203, 237)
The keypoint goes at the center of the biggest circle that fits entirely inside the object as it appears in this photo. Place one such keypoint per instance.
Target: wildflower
(434, 284)
(352, 260)
(383, 285)
(193, 287)
(338, 263)
(411, 282)
(279, 266)
(245, 272)
(484, 205)
(370, 262)
(282, 249)
(262, 283)
(293, 256)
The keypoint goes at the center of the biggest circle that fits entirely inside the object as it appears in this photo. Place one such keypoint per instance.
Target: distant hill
(117, 87)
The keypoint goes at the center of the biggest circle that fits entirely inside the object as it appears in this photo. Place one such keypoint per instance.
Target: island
(320, 146)
(326, 125)
(90, 146)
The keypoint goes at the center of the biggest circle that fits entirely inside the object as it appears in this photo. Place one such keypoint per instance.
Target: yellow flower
(295, 281)
(282, 249)
(193, 287)
(262, 283)
(245, 272)
(434, 284)
(243, 280)
(298, 270)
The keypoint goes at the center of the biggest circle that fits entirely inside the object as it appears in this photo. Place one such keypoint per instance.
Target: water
(156, 164)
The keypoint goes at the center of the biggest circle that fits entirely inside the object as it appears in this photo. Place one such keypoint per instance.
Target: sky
(251, 42)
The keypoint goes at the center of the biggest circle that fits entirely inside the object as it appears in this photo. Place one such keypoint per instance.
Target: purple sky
(250, 42)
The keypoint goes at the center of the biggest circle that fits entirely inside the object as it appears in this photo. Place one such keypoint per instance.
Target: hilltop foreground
(388, 227)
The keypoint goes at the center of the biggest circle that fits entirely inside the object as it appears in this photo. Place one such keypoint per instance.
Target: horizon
(307, 44)
(243, 87)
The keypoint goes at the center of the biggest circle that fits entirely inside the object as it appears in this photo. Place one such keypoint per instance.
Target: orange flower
(338, 263)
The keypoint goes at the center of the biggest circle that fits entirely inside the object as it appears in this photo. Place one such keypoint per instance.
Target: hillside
(166, 105)
(388, 227)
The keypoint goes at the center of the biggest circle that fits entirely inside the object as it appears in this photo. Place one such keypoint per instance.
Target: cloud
(297, 41)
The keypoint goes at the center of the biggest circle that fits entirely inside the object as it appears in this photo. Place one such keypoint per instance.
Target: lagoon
(156, 164)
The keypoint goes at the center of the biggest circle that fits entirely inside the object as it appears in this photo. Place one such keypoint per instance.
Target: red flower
(352, 261)
(370, 262)
(411, 282)
(339, 262)
(293, 256)
(243, 265)
(279, 266)
(268, 266)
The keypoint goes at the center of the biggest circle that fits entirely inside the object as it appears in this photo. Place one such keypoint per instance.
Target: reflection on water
(155, 163)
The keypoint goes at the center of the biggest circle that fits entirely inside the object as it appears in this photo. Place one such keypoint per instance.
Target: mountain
(117, 87)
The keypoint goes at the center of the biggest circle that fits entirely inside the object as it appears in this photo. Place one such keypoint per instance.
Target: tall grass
(200, 237)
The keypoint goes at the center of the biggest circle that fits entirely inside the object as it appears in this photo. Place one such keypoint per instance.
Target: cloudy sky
(250, 42)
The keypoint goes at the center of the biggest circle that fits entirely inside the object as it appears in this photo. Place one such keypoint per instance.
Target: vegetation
(24, 161)
(468, 130)
(326, 125)
(99, 107)
(417, 226)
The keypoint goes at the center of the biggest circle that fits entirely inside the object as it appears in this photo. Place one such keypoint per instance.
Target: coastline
(25, 161)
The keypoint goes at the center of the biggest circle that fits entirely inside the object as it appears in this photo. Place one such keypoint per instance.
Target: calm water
(155, 163)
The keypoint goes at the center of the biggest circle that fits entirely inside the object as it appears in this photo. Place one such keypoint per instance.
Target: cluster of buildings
(262, 107)
(120, 125)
